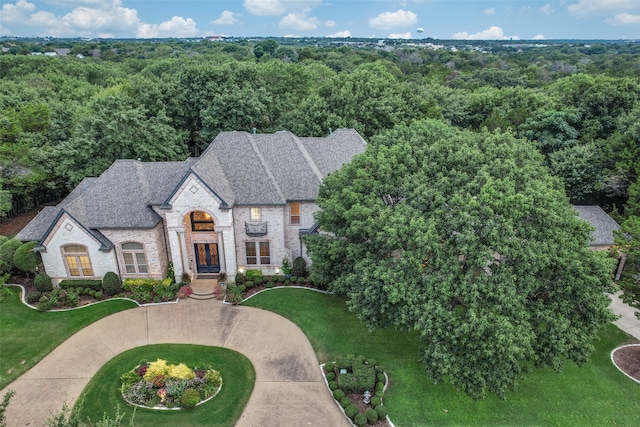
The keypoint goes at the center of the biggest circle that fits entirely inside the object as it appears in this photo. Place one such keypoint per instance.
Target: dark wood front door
(207, 260)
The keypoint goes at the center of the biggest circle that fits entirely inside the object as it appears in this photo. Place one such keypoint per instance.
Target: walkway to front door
(207, 260)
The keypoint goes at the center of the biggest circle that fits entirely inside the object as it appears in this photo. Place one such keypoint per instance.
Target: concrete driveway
(289, 388)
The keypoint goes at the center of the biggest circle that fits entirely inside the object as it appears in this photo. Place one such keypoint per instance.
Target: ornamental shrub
(293, 279)
(344, 402)
(338, 394)
(180, 371)
(269, 285)
(42, 282)
(376, 400)
(33, 297)
(351, 411)
(159, 367)
(239, 279)
(253, 275)
(333, 386)
(111, 283)
(330, 376)
(381, 377)
(249, 284)
(372, 416)
(72, 297)
(99, 295)
(382, 411)
(379, 386)
(7, 249)
(360, 420)
(25, 259)
(329, 367)
(299, 267)
(380, 393)
(86, 291)
(189, 398)
(280, 279)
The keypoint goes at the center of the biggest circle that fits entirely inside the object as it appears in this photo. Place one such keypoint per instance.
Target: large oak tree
(466, 238)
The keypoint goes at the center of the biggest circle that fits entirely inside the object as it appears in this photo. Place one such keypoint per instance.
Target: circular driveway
(289, 389)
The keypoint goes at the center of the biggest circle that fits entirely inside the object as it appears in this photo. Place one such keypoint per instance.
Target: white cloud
(389, 20)
(93, 20)
(341, 34)
(491, 11)
(623, 19)
(406, 35)
(176, 27)
(539, 37)
(547, 9)
(42, 19)
(297, 21)
(492, 33)
(227, 18)
(330, 23)
(277, 7)
(17, 12)
(602, 7)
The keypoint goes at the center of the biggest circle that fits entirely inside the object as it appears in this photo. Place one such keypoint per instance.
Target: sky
(440, 19)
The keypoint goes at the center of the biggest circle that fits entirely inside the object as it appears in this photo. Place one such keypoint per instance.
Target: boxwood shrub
(269, 284)
(333, 386)
(330, 376)
(33, 297)
(372, 416)
(360, 420)
(376, 400)
(382, 411)
(361, 378)
(351, 411)
(111, 283)
(338, 394)
(344, 402)
(42, 282)
(81, 283)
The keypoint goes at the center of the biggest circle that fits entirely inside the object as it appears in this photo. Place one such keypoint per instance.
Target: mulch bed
(627, 359)
(356, 399)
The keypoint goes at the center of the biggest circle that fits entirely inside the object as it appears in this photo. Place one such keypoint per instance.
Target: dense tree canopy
(465, 237)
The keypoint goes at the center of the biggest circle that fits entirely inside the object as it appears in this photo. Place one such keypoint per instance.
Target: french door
(207, 260)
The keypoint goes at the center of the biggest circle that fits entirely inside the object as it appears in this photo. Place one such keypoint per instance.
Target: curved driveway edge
(289, 389)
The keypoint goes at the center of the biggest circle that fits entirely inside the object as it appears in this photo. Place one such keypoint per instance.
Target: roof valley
(264, 165)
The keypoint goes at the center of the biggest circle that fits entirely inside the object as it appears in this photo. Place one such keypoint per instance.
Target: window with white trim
(258, 253)
(294, 213)
(135, 260)
(255, 214)
(77, 262)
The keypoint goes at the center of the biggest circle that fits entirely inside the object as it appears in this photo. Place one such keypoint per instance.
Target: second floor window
(294, 213)
(201, 221)
(256, 215)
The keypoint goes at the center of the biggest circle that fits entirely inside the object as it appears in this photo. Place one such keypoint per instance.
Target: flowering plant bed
(160, 385)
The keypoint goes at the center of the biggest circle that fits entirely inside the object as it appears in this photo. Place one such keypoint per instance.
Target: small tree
(299, 267)
(25, 258)
(7, 250)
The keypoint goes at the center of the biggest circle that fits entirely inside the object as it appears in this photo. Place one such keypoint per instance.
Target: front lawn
(102, 394)
(595, 394)
(27, 335)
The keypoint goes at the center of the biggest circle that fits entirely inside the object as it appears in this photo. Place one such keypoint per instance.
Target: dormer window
(201, 221)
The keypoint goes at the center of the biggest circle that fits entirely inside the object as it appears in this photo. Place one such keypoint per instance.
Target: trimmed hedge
(376, 401)
(382, 411)
(96, 285)
(361, 378)
(338, 394)
(333, 386)
(372, 416)
(344, 402)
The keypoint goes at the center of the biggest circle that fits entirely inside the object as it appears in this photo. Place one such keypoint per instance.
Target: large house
(244, 203)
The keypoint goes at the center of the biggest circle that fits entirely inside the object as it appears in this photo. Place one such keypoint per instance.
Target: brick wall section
(67, 232)
(274, 216)
(154, 248)
(292, 237)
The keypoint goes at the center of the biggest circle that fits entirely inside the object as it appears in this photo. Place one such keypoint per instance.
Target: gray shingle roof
(603, 223)
(241, 168)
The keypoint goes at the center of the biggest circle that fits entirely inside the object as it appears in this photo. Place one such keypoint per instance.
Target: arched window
(77, 260)
(201, 221)
(135, 260)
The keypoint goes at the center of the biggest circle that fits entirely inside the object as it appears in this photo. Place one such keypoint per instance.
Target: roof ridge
(307, 157)
(263, 163)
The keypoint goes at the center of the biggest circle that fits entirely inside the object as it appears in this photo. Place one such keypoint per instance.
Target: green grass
(102, 394)
(27, 335)
(592, 395)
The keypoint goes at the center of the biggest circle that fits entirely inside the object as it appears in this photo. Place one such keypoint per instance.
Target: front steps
(203, 289)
